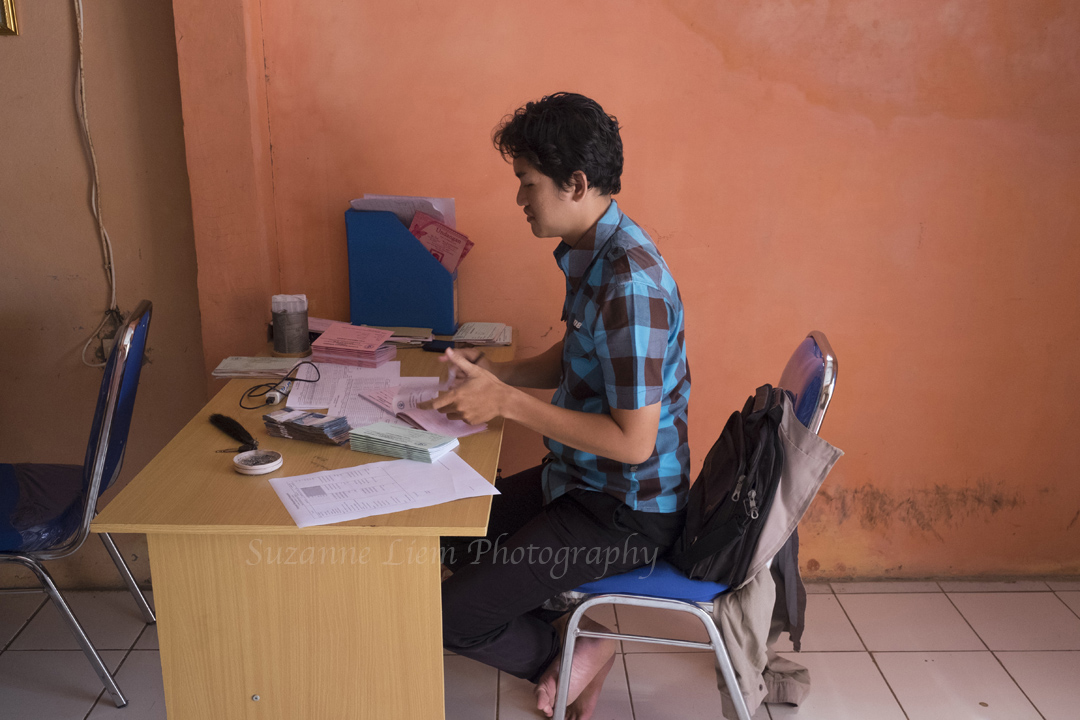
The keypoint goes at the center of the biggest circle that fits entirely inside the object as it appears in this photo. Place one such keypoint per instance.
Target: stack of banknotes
(310, 426)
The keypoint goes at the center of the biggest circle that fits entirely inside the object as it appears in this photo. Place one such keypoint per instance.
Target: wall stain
(926, 509)
(1073, 521)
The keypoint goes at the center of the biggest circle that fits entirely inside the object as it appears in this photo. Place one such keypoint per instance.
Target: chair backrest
(112, 419)
(810, 376)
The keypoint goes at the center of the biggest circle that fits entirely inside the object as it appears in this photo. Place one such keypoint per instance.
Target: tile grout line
(1018, 686)
(114, 673)
(629, 689)
(625, 666)
(899, 704)
(1062, 600)
(967, 622)
(26, 623)
(873, 659)
(94, 705)
(851, 622)
(996, 658)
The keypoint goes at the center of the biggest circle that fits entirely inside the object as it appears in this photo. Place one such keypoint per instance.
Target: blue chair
(810, 376)
(45, 510)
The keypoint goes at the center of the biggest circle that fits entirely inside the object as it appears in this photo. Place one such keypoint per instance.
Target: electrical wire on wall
(112, 318)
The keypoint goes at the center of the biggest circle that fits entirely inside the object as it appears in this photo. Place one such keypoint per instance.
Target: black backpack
(731, 498)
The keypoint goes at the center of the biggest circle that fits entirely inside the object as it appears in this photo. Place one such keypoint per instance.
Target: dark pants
(532, 552)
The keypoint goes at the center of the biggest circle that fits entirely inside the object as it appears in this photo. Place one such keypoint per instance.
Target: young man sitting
(609, 495)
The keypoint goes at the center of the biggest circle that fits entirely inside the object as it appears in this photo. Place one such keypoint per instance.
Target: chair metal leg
(73, 624)
(567, 662)
(716, 643)
(723, 661)
(129, 580)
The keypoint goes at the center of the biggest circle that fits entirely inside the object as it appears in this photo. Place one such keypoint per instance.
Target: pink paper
(343, 336)
(445, 244)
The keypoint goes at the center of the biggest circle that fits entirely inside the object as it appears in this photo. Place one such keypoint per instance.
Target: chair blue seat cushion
(10, 538)
(40, 505)
(659, 581)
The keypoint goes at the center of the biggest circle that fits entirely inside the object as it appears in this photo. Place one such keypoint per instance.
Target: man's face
(548, 208)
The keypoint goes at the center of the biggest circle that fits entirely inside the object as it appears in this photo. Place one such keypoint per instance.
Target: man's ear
(579, 185)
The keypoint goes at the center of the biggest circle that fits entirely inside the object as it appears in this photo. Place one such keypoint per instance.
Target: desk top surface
(191, 488)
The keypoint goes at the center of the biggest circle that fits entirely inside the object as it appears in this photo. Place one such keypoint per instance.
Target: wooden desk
(336, 621)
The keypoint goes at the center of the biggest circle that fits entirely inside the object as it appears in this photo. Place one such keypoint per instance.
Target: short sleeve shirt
(624, 348)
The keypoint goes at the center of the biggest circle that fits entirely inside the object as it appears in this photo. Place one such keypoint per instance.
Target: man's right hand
(541, 371)
(472, 354)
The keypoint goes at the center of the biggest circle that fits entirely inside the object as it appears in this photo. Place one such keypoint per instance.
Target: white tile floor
(876, 651)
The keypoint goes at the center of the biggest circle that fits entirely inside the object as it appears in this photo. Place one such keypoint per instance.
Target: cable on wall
(112, 318)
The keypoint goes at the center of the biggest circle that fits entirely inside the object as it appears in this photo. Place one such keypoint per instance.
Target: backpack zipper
(738, 488)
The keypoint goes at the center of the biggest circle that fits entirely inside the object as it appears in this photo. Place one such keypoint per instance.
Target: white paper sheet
(405, 206)
(351, 399)
(319, 395)
(333, 496)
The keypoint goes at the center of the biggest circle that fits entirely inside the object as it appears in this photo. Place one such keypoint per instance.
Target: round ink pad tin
(257, 462)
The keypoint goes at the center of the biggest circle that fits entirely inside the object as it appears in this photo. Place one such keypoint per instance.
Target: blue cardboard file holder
(393, 279)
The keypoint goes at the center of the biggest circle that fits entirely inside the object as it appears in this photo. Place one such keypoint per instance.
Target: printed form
(332, 496)
(319, 395)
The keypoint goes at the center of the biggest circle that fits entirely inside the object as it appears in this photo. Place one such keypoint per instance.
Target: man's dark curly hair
(561, 134)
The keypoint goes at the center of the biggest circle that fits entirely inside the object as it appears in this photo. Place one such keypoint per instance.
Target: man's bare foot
(583, 707)
(591, 655)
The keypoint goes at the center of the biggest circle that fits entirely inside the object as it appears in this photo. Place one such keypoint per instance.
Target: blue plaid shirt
(623, 348)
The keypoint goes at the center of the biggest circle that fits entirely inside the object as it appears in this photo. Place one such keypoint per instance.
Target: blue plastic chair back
(803, 378)
(125, 404)
(810, 376)
(63, 533)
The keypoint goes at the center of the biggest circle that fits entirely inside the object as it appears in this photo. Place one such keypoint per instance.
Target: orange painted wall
(902, 176)
(53, 288)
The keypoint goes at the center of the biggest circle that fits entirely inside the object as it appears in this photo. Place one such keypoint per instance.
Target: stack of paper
(310, 426)
(407, 335)
(319, 325)
(406, 207)
(478, 333)
(346, 344)
(402, 442)
(250, 367)
(445, 244)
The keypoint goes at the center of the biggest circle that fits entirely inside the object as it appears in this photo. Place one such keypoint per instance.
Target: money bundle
(310, 426)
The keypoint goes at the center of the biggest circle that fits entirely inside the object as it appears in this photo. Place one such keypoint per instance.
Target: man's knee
(460, 623)
(461, 632)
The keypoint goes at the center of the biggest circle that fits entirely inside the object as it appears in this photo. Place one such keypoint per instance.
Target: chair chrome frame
(33, 559)
(828, 383)
(700, 610)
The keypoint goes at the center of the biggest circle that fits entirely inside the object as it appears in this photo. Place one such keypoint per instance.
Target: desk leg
(315, 626)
